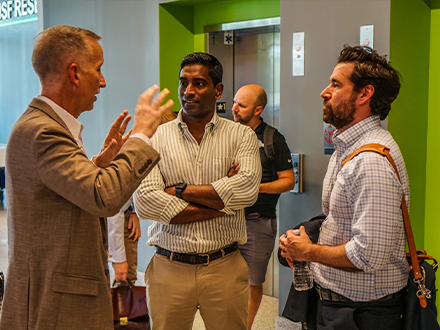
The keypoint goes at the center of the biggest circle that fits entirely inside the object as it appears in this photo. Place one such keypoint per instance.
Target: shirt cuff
(174, 206)
(141, 136)
(356, 257)
(127, 204)
(225, 192)
(117, 256)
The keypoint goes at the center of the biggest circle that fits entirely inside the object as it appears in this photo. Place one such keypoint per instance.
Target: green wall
(175, 41)
(432, 223)
(408, 118)
(233, 11)
(414, 51)
(181, 31)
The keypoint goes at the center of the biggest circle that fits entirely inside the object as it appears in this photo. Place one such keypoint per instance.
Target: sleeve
(283, 158)
(241, 190)
(65, 169)
(116, 248)
(375, 193)
(150, 199)
(115, 224)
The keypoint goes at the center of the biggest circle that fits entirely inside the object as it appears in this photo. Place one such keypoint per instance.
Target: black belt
(196, 259)
(329, 295)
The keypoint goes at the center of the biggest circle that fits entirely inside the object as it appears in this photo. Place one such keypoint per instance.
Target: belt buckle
(323, 294)
(207, 258)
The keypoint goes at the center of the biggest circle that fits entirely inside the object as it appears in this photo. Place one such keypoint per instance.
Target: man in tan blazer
(58, 199)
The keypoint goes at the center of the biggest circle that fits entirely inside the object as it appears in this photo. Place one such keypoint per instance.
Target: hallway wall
(432, 223)
(130, 40)
(408, 119)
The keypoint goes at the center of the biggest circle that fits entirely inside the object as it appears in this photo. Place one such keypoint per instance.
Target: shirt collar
(344, 140)
(211, 125)
(260, 127)
(73, 125)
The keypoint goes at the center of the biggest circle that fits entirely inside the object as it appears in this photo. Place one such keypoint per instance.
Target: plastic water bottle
(302, 275)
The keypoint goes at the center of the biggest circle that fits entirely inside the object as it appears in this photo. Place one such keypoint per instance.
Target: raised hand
(149, 111)
(114, 140)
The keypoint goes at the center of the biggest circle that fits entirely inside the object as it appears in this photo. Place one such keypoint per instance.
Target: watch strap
(180, 187)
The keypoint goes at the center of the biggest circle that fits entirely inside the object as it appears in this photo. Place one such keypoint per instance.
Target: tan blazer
(57, 200)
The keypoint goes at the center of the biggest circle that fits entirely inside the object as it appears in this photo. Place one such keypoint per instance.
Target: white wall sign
(10, 9)
(366, 36)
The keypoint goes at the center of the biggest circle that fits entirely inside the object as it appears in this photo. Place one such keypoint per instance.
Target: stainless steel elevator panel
(255, 62)
(253, 58)
(225, 54)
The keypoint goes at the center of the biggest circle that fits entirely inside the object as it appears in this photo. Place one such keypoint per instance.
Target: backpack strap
(268, 134)
(269, 150)
(385, 151)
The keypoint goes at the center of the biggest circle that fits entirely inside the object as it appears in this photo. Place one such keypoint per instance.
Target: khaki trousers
(219, 290)
(131, 250)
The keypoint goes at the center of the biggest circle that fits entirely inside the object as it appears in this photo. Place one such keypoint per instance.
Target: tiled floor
(265, 319)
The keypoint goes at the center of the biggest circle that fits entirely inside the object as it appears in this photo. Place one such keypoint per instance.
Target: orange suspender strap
(409, 233)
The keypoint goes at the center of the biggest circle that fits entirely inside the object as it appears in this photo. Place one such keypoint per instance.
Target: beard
(244, 120)
(342, 114)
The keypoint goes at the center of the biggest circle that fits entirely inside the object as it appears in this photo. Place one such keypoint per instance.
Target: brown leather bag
(130, 309)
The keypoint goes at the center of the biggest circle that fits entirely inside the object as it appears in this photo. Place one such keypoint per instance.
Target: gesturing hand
(149, 112)
(114, 140)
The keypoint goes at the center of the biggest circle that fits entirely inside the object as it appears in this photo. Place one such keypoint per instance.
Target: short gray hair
(59, 44)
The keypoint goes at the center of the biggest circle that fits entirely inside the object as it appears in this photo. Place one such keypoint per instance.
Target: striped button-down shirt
(362, 203)
(184, 160)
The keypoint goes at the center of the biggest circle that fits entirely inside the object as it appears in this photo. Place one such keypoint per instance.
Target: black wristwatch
(180, 187)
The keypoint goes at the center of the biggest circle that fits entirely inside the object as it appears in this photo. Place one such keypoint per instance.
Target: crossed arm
(204, 202)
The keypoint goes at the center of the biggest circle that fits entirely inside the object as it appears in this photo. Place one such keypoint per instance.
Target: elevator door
(252, 58)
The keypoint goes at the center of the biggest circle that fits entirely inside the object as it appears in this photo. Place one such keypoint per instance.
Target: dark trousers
(376, 315)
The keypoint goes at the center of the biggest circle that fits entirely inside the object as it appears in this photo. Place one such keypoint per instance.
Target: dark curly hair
(370, 68)
(208, 60)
